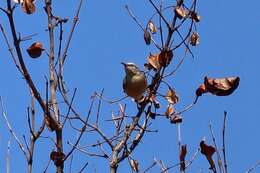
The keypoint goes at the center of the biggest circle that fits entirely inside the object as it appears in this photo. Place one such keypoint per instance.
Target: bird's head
(130, 68)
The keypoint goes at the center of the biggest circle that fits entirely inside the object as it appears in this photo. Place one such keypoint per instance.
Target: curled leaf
(180, 12)
(165, 57)
(208, 152)
(169, 111)
(194, 16)
(35, 50)
(201, 90)
(151, 27)
(134, 165)
(153, 61)
(194, 39)
(171, 96)
(221, 86)
(183, 153)
(28, 6)
(147, 37)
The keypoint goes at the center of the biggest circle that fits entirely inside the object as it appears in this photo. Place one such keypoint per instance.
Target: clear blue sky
(106, 36)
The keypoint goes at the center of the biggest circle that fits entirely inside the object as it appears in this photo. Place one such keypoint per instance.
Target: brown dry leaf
(57, 157)
(201, 90)
(147, 37)
(194, 39)
(35, 50)
(195, 16)
(152, 27)
(183, 154)
(221, 86)
(134, 165)
(180, 12)
(169, 110)
(28, 6)
(171, 96)
(165, 57)
(208, 151)
(176, 119)
(153, 60)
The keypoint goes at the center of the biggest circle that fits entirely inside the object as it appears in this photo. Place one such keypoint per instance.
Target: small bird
(134, 83)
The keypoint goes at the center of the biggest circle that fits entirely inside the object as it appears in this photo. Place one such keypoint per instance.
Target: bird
(135, 82)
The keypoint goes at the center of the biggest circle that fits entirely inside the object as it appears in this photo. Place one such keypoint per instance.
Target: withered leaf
(201, 90)
(165, 57)
(153, 60)
(169, 110)
(194, 39)
(176, 119)
(152, 27)
(134, 165)
(194, 16)
(171, 96)
(35, 50)
(28, 6)
(221, 86)
(57, 157)
(183, 153)
(180, 12)
(147, 37)
(208, 151)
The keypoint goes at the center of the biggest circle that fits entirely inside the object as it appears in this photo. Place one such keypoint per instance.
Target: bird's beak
(124, 64)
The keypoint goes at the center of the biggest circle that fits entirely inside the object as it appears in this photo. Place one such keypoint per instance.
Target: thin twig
(223, 140)
(220, 165)
(11, 129)
(253, 167)
(8, 156)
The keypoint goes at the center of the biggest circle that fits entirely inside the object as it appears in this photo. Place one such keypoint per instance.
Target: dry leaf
(201, 90)
(28, 6)
(165, 57)
(134, 165)
(35, 50)
(147, 37)
(152, 27)
(208, 151)
(176, 119)
(221, 86)
(180, 12)
(57, 157)
(183, 153)
(169, 111)
(153, 60)
(194, 39)
(195, 16)
(171, 96)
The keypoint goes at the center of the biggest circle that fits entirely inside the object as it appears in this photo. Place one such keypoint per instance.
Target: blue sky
(106, 36)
